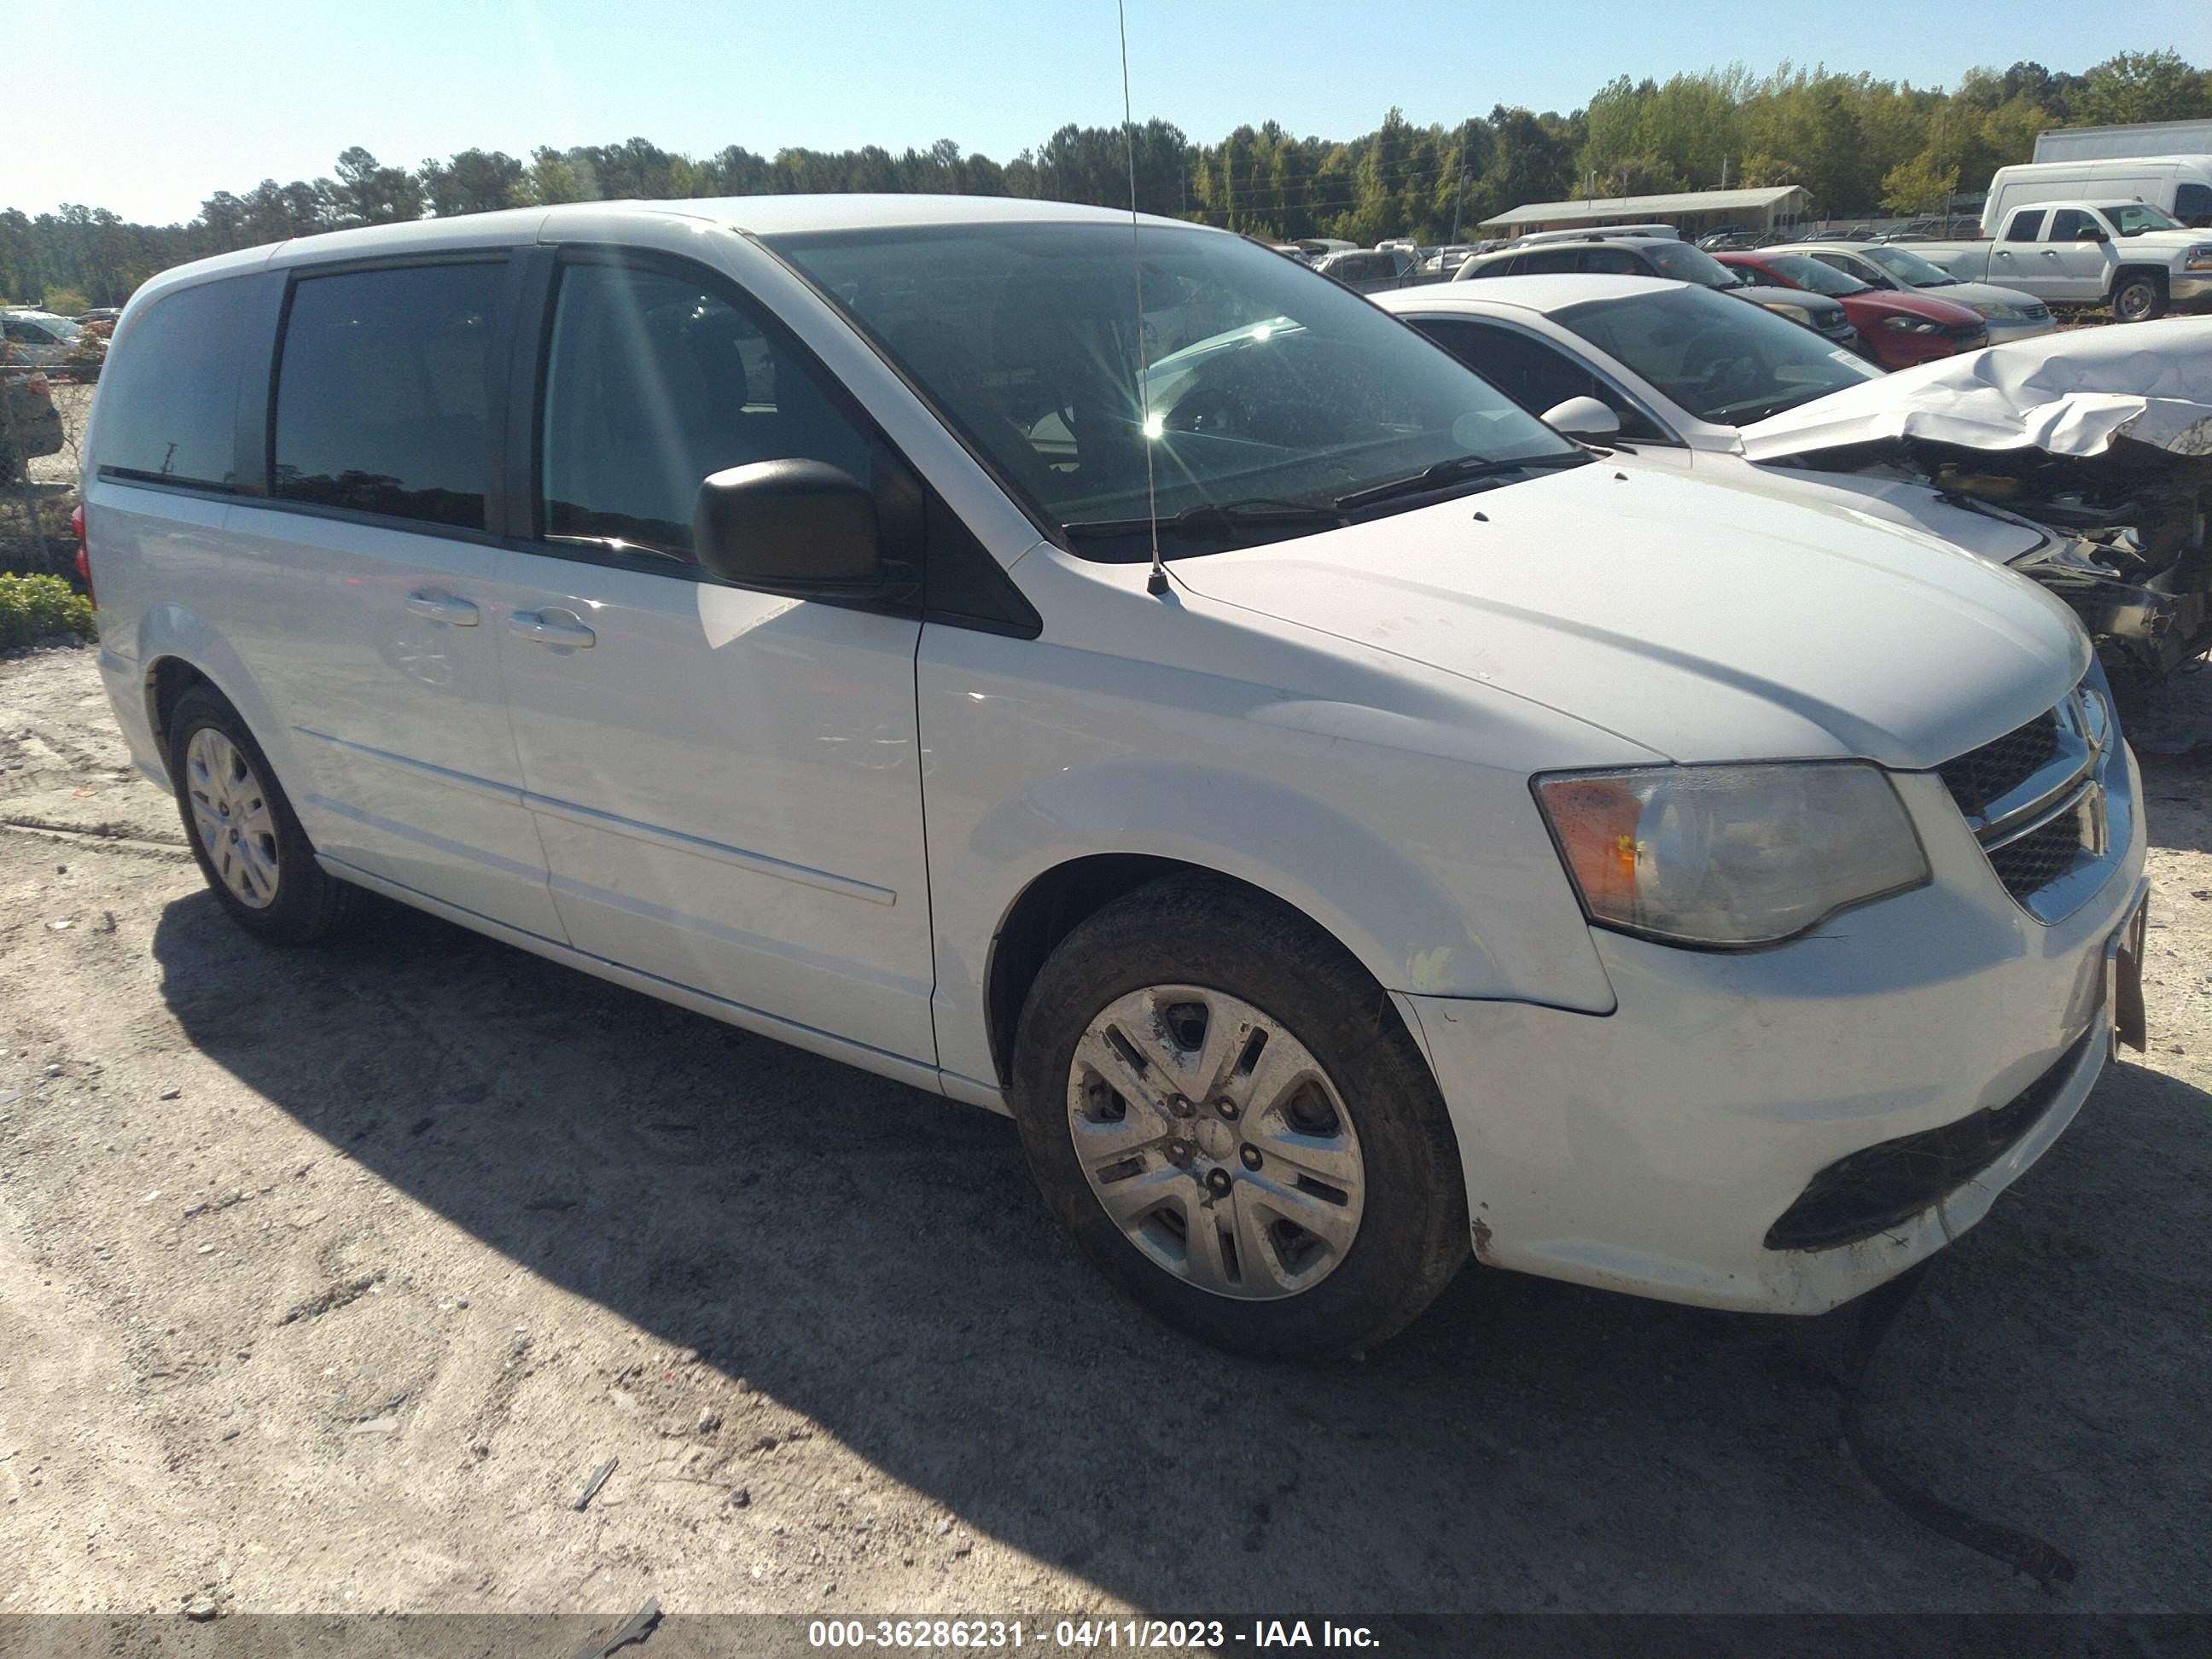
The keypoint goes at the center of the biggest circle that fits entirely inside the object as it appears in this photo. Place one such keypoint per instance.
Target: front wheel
(2138, 297)
(1223, 1109)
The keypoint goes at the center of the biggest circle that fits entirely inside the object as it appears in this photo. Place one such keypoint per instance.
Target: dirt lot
(327, 1279)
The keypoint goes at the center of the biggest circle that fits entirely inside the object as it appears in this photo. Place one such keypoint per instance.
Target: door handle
(562, 628)
(443, 607)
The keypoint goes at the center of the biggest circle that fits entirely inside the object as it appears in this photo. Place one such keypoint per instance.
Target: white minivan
(1451, 842)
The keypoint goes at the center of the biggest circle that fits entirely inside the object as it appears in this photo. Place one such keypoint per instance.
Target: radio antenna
(1156, 583)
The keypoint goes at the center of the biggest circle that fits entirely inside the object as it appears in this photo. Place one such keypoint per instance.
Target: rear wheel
(2138, 297)
(1222, 1108)
(257, 858)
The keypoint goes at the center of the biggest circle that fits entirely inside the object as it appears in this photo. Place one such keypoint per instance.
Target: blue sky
(156, 103)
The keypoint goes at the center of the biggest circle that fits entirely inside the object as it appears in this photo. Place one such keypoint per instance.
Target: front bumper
(1653, 1149)
(2026, 328)
(2190, 290)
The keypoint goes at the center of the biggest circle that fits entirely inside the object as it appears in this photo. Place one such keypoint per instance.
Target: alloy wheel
(231, 811)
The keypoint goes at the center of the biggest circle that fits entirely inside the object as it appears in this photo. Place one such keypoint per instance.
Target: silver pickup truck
(2125, 254)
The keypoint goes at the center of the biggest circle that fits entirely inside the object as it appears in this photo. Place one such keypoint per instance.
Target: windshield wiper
(1218, 519)
(1457, 469)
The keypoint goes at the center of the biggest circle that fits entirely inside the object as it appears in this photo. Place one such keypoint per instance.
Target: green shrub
(67, 302)
(34, 608)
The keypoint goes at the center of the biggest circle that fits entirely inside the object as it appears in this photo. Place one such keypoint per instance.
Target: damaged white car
(2084, 463)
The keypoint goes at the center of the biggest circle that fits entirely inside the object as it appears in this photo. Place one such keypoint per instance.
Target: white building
(1694, 212)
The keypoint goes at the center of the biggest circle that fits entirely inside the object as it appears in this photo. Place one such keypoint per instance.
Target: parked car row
(1664, 255)
(1351, 826)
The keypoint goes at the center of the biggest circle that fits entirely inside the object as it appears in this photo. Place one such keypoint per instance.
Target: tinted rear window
(168, 395)
(382, 392)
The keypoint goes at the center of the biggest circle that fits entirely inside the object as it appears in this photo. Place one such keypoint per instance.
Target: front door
(727, 783)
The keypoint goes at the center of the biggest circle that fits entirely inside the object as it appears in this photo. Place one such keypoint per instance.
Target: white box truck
(2122, 143)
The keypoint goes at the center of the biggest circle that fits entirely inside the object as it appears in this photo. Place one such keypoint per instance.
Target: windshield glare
(2133, 218)
(1807, 272)
(1911, 268)
(1685, 263)
(1725, 362)
(1267, 381)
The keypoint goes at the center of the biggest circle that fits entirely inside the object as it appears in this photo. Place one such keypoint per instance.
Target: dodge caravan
(1109, 674)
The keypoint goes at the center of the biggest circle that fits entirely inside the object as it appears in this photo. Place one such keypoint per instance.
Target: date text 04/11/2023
(1090, 1634)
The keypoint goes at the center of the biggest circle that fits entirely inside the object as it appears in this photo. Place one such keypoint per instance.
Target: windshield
(1807, 272)
(1911, 268)
(1685, 263)
(1271, 386)
(1723, 360)
(2133, 218)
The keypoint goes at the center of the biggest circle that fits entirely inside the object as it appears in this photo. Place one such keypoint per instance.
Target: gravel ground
(327, 1279)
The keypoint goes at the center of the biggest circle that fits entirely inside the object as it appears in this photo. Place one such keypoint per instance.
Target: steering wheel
(1719, 362)
(1212, 409)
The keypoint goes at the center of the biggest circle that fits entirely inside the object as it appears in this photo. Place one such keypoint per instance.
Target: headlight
(1730, 855)
(1911, 325)
(1795, 313)
(2199, 258)
(1991, 311)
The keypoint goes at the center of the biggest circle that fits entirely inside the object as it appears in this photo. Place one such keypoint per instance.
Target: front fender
(1389, 913)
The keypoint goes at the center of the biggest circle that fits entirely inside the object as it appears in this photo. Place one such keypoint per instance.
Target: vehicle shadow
(874, 1257)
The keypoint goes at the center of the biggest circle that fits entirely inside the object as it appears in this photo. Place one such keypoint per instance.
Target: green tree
(366, 193)
(2143, 86)
(1918, 185)
(474, 181)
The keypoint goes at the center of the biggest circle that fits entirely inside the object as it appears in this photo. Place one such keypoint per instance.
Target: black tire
(307, 905)
(2139, 296)
(1193, 930)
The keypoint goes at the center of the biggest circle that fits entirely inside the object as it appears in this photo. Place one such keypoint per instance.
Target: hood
(1904, 501)
(1928, 306)
(2071, 395)
(1970, 295)
(1819, 307)
(1703, 621)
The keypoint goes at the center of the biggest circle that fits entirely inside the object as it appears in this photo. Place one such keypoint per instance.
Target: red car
(1900, 328)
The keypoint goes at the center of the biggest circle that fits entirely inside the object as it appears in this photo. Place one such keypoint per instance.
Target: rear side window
(383, 393)
(653, 382)
(2026, 226)
(1548, 261)
(168, 395)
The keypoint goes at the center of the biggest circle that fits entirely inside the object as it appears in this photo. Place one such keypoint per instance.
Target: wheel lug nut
(1217, 1181)
(1179, 1106)
(1227, 1109)
(1251, 1156)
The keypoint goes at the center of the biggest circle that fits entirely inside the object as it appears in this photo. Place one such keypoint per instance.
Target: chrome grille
(2039, 857)
(2035, 801)
(1997, 768)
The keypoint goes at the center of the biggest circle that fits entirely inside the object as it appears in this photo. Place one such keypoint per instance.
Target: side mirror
(1583, 417)
(802, 528)
(2090, 234)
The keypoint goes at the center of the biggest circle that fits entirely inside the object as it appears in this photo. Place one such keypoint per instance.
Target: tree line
(1859, 145)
